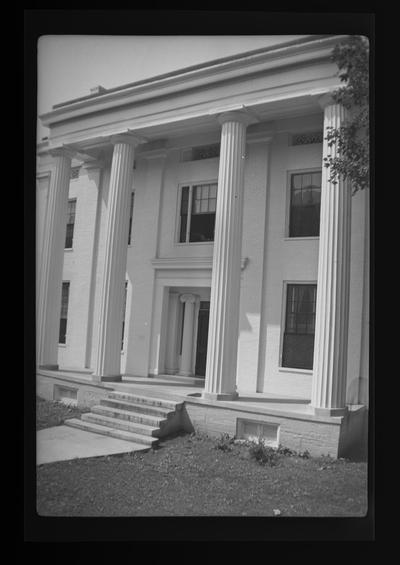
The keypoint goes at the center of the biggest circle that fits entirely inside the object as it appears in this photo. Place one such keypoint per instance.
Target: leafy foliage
(352, 138)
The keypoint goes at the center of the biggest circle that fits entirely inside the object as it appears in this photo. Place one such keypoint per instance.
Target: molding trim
(189, 263)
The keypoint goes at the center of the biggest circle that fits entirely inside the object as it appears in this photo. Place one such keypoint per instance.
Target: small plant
(225, 442)
(263, 454)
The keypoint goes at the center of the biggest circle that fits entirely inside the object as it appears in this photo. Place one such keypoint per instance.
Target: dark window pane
(130, 218)
(64, 312)
(70, 223)
(298, 351)
(304, 215)
(298, 341)
(184, 213)
(202, 227)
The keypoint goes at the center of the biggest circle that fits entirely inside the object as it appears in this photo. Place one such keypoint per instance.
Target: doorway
(202, 338)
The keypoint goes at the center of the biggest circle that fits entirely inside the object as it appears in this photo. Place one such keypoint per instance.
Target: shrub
(263, 454)
(224, 443)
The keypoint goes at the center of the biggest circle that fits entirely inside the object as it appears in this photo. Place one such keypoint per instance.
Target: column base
(49, 367)
(106, 378)
(220, 396)
(185, 374)
(330, 411)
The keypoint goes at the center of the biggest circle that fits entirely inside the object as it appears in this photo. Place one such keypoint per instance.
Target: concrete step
(142, 442)
(157, 411)
(147, 400)
(129, 415)
(120, 424)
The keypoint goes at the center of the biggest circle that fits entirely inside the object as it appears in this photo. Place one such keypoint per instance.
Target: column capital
(62, 151)
(326, 100)
(190, 298)
(93, 164)
(127, 138)
(240, 116)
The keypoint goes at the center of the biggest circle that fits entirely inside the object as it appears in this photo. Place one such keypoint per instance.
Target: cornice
(307, 50)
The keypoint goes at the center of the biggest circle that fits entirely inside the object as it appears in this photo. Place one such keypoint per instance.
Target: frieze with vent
(306, 138)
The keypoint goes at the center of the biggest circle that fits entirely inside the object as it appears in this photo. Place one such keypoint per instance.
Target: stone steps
(144, 442)
(136, 418)
(156, 411)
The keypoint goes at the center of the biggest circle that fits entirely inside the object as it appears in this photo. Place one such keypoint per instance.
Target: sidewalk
(62, 443)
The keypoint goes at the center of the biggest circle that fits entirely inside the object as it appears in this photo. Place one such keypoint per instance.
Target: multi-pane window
(124, 314)
(70, 223)
(298, 340)
(197, 213)
(64, 312)
(131, 217)
(305, 200)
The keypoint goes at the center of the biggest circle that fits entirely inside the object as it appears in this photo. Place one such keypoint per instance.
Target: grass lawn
(193, 475)
(49, 414)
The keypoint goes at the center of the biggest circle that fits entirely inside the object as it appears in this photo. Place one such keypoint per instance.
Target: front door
(202, 337)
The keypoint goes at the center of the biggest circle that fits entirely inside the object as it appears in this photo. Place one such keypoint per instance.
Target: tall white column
(188, 330)
(108, 361)
(220, 381)
(171, 357)
(328, 394)
(50, 281)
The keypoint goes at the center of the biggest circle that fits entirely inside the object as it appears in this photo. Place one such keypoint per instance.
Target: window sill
(307, 238)
(182, 243)
(63, 345)
(68, 248)
(299, 371)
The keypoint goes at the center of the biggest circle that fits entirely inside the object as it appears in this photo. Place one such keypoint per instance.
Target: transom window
(305, 200)
(197, 212)
(298, 341)
(69, 236)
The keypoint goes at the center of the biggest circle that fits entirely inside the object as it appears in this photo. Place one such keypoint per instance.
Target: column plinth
(51, 266)
(220, 381)
(108, 361)
(328, 395)
(187, 339)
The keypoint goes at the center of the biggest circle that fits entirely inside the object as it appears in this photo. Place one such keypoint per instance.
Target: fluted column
(171, 354)
(220, 381)
(108, 360)
(50, 281)
(188, 330)
(332, 310)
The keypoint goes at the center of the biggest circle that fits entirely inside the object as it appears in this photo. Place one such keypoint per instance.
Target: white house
(186, 226)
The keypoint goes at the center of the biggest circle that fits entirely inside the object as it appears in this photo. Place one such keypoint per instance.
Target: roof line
(198, 66)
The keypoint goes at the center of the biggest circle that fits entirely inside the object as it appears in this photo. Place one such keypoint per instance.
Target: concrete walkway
(62, 443)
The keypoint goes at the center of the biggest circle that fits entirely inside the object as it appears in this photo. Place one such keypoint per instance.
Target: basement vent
(66, 395)
(252, 430)
(74, 172)
(201, 152)
(307, 138)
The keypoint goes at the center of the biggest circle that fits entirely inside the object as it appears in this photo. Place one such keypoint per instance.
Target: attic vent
(307, 138)
(201, 152)
(74, 172)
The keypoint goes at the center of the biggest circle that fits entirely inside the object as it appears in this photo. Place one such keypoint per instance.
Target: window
(124, 315)
(64, 312)
(305, 199)
(197, 213)
(70, 223)
(298, 340)
(130, 218)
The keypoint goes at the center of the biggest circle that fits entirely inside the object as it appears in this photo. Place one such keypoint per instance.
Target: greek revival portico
(236, 105)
